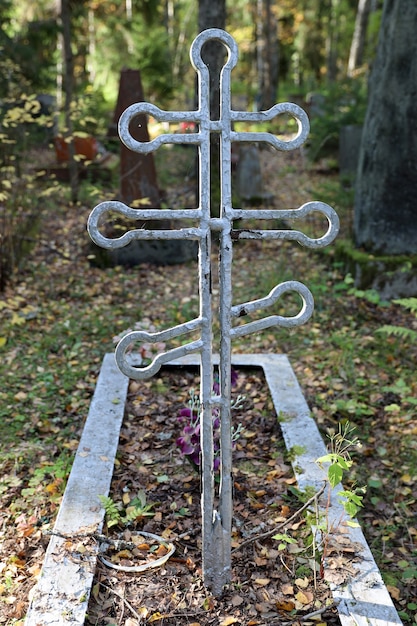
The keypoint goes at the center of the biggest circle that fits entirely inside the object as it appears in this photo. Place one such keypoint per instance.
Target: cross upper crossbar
(216, 508)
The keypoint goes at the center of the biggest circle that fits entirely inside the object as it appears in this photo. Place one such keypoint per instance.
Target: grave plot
(268, 588)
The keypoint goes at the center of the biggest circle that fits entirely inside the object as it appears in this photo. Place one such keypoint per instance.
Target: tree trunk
(267, 55)
(212, 14)
(332, 40)
(69, 88)
(386, 186)
(359, 36)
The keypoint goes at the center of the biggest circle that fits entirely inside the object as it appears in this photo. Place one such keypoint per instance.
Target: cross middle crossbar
(216, 506)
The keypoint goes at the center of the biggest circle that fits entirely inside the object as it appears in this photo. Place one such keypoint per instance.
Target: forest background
(317, 53)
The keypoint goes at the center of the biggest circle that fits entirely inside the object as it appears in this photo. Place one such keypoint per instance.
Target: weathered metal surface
(216, 508)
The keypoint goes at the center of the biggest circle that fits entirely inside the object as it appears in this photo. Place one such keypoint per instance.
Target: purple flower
(189, 442)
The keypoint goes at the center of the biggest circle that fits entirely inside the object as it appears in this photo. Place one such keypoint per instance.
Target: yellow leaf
(156, 617)
(17, 320)
(305, 597)
(20, 396)
(406, 478)
(228, 620)
(262, 581)
(302, 583)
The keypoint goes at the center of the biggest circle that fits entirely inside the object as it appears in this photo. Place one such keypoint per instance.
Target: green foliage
(284, 540)
(30, 46)
(136, 509)
(403, 333)
(340, 462)
(144, 39)
(112, 512)
(20, 210)
(344, 103)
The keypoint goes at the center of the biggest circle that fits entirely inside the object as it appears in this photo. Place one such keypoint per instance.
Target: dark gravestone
(349, 144)
(138, 181)
(249, 181)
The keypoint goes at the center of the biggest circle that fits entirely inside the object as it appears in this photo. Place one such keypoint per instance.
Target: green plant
(21, 125)
(284, 540)
(340, 462)
(136, 509)
(408, 334)
(341, 104)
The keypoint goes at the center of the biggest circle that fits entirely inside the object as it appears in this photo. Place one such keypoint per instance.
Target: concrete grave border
(61, 596)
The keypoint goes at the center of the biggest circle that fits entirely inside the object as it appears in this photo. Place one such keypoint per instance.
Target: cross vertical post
(216, 520)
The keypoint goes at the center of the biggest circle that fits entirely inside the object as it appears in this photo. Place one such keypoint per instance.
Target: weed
(296, 451)
(340, 462)
(134, 511)
(406, 334)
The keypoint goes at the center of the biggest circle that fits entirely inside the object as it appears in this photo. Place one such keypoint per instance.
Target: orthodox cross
(216, 507)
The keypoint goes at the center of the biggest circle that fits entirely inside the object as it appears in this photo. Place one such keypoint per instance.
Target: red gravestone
(137, 171)
(138, 181)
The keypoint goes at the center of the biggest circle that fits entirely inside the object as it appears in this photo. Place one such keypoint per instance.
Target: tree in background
(386, 187)
(357, 48)
(65, 15)
(267, 52)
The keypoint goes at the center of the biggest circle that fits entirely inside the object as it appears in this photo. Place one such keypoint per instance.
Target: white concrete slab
(62, 593)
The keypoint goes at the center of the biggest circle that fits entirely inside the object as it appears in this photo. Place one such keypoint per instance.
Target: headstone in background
(349, 144)
(138, 180)
(316, 103)
(249, 182)
(137, 171)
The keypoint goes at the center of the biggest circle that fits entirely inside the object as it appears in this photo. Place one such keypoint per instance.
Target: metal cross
(217, 519)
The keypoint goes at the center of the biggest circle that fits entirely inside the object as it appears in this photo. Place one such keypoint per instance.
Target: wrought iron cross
(216, 508)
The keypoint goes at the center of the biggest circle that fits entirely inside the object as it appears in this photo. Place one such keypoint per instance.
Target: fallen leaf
(305, 597)
(155, 617)
(228, 620)
(285, 605)
(287, 589)
(394, 592)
